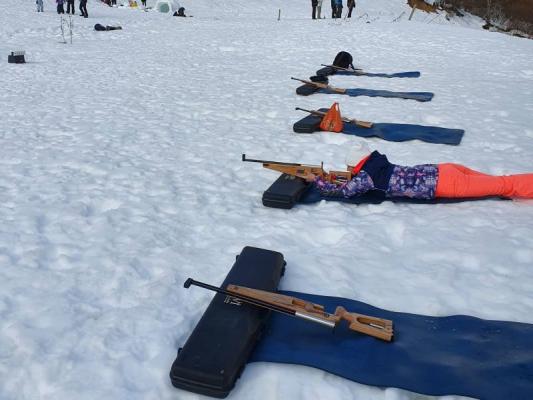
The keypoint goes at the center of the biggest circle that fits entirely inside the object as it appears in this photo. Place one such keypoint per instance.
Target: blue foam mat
(313, 195)
(403, 132)
(455, 355)
(393, 132)
(328, 71)
(409, 74)
(418, 96)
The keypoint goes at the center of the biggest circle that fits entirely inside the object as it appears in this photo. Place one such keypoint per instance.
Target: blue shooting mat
(455, 355)
(312, 195)
(328, 71)
(389, 132)
(418, 96)
(403, 132)
(410, 74)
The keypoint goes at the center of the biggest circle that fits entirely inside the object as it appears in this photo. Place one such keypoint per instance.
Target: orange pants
(458, 181)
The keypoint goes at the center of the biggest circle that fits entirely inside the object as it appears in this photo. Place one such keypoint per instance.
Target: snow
(121, 177)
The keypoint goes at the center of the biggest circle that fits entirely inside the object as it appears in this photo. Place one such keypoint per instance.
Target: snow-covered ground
(121, 177)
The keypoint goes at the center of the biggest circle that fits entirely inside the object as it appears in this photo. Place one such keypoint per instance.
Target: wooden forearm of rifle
(330, 88)
(321, 85)
(289, 302)
(300, 171)
(305, 170)
(362, 124)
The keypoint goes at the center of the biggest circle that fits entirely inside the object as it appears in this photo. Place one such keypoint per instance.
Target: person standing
(314, 3)
(143, 2)
(333, 9)
(338, 8)
(319, 9)
(70, 7)
(351, 5)
(60, 8)
(40, 6)
(83, 8)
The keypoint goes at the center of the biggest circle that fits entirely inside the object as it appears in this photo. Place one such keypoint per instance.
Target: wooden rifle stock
(295, 169)
(321, 85)
(302, 170)
(368, 325)
(362, 124)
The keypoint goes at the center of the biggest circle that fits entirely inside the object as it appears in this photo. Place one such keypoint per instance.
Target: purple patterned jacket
(417, 182)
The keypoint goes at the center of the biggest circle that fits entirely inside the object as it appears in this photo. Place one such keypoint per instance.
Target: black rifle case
(284, 192)
(217, 350)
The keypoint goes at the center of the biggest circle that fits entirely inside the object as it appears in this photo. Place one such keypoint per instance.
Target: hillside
(122, 176)
(505, 14)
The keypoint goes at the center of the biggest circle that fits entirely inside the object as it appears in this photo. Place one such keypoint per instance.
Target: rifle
(372, 326)
(302, 170)
(354, 70)
(321, 85)
(362, 124)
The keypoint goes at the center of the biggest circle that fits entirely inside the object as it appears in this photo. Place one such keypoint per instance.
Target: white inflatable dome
(167, 6)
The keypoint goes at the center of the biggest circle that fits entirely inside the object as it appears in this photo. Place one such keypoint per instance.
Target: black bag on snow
(343, 60)
(319, 79)
(101, 28)
(284, 192)
(306, 90)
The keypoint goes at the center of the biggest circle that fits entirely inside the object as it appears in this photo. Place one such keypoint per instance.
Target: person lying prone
(426, 181)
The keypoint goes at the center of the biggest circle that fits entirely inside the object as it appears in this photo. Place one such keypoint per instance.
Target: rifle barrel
(260, 303)
(342, 69)
(335, 67)
(303, 109)
(316, 112)
(250, 300)
(268, 162)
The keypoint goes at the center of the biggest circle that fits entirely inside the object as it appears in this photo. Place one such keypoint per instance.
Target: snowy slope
(121, 177)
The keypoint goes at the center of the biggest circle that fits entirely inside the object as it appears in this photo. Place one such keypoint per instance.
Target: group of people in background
(61, 7)
(336, 8)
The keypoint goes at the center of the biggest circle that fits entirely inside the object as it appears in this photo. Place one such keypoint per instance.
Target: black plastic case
(16, 58)
(309, 123)
(306, 90)
(326, 71)
(217, 350)
(284, 192)
(319, 79)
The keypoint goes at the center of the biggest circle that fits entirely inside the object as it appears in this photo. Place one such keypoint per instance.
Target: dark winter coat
(379, 169)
